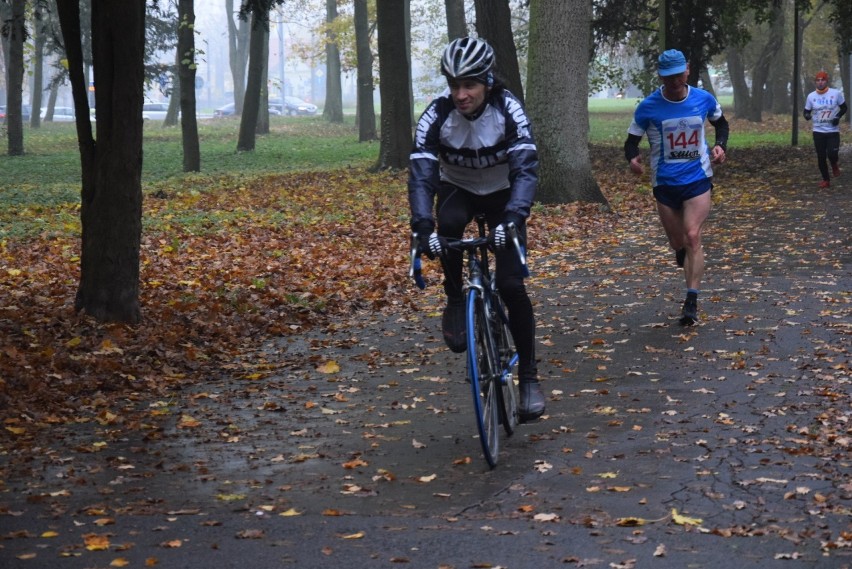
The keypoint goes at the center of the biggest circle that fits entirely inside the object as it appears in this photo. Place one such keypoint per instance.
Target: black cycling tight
(827, 145)
(456, 209)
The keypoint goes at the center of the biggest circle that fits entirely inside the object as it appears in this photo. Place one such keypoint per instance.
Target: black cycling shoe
(532, 401)
(453, 326)
(689, 314)
(680, 256)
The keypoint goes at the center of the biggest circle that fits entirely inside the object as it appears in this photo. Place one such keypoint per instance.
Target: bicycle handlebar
(470, 244)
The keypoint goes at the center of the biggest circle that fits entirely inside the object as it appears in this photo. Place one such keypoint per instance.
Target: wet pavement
(724, 444)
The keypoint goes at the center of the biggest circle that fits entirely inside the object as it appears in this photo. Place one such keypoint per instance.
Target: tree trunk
(760, 73)
(111, 200)
(51, 98)
(407, 20)
(396, 137)
(366, 110)
(238, 53)
(40, 23)
(777, 91)
(186, 74)
(736, 71)
(248, 122)
(333, 108)
(494, 24)
(263, 102)
(5, 16)
(15, 79)
(456, 24)
(171, 118)
(707, 82)
(845, 59)
(558, 99)
(778, 86)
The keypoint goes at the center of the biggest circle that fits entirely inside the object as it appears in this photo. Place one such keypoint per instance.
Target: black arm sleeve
(722, 130)
(843, 108)
(631, 146)
(807, 114)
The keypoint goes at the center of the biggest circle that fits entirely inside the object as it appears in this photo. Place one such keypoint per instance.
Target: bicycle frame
(481, 280)
(490, 354)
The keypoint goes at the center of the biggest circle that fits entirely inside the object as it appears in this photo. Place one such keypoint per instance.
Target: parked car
(293, 106)
(155, 111)
(228, 110)
(25, 112)
(224, 111)
(60, 114)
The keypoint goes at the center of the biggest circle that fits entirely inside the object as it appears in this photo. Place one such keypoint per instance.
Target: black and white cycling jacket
(492, 152)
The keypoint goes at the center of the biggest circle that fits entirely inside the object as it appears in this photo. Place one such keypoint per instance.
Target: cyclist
(475, 151)
(826, 106)
(681, 164)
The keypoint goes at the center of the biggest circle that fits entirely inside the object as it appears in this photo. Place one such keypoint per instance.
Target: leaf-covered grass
(258, 245)
(48, 175)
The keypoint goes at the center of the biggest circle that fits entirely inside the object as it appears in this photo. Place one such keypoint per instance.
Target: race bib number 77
(682, 139)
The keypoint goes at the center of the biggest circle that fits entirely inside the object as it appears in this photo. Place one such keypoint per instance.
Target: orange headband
(821, 75)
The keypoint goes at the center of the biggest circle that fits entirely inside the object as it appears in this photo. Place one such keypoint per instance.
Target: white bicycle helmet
(467, 57)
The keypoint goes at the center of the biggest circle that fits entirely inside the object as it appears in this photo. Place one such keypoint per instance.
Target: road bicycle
(491, 354)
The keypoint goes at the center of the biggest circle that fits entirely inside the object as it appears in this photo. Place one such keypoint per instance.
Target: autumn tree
(761, 69)
(41, 30)
(494, 24)
(366, 111)
(238, 52)
(251, 103)
(186, 75)
(111, 196)
(333, 108)
(394, 85)
(15, 32)
(558, 99)
(701, 29)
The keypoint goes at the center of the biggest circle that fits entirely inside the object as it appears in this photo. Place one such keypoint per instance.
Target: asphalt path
(721, 445)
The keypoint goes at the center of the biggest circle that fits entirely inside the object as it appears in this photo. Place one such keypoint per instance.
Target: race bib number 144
(682, 139)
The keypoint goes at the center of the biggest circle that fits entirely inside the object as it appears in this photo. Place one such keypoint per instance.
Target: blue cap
(671, 62)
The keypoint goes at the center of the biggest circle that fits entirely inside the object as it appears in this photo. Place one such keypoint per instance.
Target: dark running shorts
(674, 196)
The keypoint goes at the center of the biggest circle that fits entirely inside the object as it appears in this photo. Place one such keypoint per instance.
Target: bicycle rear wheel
(507, 359)
(484, 375)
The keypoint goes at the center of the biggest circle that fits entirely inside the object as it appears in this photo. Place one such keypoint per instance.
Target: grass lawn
(40, 190)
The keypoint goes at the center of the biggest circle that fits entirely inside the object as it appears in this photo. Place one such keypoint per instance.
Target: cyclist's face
(468, 95)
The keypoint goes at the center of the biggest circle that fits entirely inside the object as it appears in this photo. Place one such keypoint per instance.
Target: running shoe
(689, 314)
(453, 326)
(835, 170)
(532, 401)
(680, 256)
(824, 184)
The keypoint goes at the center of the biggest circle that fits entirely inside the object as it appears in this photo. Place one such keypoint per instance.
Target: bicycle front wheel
(484, 376)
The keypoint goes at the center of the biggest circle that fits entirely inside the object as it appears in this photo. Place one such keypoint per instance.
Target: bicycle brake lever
(522, 254)
(414, 271)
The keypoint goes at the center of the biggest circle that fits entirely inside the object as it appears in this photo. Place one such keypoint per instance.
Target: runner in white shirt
(825, 106)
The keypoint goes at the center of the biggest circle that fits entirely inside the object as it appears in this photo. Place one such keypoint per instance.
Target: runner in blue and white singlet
(675, 129)
(673, 117)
